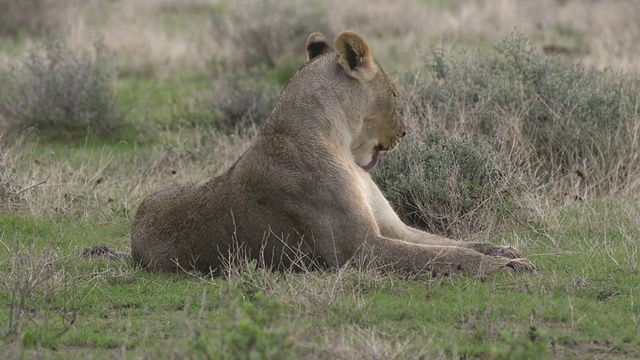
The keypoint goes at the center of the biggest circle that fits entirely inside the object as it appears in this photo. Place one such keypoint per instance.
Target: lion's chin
(374, 161)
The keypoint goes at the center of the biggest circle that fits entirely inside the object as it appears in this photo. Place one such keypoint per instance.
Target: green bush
(61, 92)
(565, 118)
(451, 187)
(244, 98)
(256, 329)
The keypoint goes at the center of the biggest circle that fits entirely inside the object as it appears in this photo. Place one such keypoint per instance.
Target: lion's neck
(318, 116)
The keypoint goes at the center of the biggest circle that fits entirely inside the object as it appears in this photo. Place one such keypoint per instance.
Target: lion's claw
(495, 250)
(507, 251)
(521, 265)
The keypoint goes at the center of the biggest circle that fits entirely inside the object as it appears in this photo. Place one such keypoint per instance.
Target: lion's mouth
(374, 160)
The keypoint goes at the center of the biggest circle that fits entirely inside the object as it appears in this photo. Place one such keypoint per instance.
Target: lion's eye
(394, 93)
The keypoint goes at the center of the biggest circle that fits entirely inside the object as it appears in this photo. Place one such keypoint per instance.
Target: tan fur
(299, 195)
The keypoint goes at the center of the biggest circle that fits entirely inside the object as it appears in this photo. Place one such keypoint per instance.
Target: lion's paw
(495, 250)
(505, 251)
(521, 265)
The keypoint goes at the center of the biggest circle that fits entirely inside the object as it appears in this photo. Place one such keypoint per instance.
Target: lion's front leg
(420, 237)
(494, 250)
(402, 256)
(391, 226)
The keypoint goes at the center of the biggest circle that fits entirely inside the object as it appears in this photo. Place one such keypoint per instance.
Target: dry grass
(90, 181)
(9, 184)
(612, 223)
(162, 37)
(33, 277)
(361, 343)
(600, 34)
(167, 37)
(32, 16)
(150, 38)
(265, 32)
(155, 36)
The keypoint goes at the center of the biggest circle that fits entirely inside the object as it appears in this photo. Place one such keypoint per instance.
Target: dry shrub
(29, 279)
(257, 32)
(261, 45)
(452, 187)
(61, 92)
(35, 16)
(9, 186)
(243, 99)
(565, 120)
(97, 183)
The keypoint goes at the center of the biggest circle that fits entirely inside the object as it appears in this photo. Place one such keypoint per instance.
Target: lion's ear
(355, 57)
(317, 45)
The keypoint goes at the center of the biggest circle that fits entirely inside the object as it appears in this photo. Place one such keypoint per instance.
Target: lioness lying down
(301, 195)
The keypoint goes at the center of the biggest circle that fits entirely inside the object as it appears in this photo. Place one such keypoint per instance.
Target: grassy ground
(583, 303)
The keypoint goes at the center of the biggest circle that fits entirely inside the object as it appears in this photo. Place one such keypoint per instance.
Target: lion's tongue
(374, 161)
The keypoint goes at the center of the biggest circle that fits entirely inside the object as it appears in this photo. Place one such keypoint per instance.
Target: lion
(302, 196)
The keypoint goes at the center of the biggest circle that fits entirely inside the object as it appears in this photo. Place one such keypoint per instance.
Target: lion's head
(381, 127)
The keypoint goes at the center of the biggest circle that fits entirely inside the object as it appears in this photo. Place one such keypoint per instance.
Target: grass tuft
(9, 185)
(32, 281)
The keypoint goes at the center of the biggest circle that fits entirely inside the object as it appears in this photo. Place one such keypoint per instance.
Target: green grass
(583, 303)
(159, 101)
